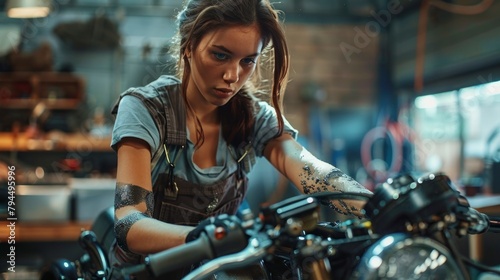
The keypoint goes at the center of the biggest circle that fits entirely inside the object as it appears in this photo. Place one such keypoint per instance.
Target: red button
(220, 233)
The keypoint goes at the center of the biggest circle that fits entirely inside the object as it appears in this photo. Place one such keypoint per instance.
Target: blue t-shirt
(134, 120)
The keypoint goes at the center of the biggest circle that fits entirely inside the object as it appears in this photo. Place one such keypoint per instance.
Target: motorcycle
(407, 232)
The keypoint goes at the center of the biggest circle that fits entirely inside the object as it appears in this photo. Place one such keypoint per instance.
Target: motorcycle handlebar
(254, 252)
(213, 242)
(181, 256)
(88, 241)
(170, 260)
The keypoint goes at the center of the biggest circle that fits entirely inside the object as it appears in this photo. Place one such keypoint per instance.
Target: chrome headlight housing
(401, 256)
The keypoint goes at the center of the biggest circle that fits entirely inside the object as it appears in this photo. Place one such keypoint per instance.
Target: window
(457, 130)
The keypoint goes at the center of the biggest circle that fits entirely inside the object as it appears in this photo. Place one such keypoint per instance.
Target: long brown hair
(202, 16)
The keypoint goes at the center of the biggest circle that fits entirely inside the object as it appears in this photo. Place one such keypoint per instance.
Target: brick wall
(329, 59)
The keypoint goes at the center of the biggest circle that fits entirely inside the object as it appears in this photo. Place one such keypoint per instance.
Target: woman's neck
(204, 111)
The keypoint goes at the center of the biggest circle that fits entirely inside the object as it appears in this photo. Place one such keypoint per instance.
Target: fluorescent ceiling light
(28, 8)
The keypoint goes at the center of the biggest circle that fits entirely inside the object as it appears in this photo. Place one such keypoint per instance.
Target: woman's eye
(220, 56)
(249, 60)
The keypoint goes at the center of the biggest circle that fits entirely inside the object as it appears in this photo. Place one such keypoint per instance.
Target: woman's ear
(187, 53)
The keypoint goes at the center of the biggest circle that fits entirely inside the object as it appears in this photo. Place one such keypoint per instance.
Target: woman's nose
(232, 73)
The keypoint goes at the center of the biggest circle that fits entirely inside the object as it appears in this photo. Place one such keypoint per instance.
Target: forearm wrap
(122, 227)
(132, 195)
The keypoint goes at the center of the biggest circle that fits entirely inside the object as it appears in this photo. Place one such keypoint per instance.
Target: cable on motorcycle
(479, 266)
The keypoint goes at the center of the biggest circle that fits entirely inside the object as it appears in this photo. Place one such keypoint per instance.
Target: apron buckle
(171, 191)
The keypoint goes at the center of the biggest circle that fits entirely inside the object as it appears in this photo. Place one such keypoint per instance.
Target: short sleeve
(266, 127)
(134, 120)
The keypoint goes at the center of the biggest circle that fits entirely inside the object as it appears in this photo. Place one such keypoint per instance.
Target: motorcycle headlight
(401, 256)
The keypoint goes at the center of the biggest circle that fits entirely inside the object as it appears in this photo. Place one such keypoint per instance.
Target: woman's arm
(311, 175)
(134, 203)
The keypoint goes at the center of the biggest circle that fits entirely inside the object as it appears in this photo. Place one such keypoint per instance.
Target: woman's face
(222, 62)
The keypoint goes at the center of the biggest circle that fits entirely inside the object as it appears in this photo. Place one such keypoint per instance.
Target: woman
(185, 145)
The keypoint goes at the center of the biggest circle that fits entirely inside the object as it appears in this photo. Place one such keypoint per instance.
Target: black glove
(223, 220)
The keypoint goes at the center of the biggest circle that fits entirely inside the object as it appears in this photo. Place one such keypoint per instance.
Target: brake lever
(256, 249)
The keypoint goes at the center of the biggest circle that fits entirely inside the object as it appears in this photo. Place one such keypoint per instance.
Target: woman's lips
(223, 92)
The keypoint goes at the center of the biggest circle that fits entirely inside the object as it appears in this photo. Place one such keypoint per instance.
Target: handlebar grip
(180, 256)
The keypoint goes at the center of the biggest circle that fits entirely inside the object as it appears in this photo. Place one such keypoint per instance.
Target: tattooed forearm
(131, 195)
(313, 182)
(331, 180)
